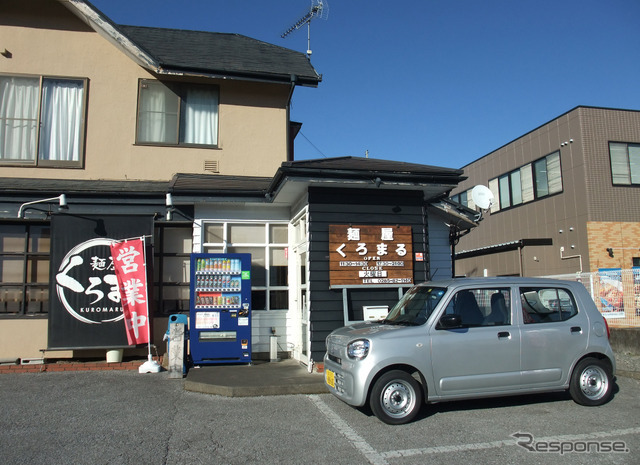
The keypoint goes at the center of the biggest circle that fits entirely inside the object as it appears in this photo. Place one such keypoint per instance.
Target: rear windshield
(416, 306)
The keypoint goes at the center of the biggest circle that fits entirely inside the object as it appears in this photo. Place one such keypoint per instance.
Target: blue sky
(437, 82)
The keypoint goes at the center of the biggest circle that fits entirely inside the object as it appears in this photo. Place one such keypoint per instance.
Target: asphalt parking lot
(125, 417)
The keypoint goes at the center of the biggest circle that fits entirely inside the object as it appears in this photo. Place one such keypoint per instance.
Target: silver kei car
(471, 338)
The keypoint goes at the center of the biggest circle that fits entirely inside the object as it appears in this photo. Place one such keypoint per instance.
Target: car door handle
(576, 329)
(504, 334)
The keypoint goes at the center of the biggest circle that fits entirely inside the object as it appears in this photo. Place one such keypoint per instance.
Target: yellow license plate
(330, 378)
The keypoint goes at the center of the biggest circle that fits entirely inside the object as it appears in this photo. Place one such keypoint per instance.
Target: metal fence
(616, 293)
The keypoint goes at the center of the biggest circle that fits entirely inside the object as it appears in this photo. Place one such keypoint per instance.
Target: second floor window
(532, 181)
(177, 114)
(41, 120)
(625, 163)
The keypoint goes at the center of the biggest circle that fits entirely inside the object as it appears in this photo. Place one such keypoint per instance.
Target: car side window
(481, 307)
(546, 305)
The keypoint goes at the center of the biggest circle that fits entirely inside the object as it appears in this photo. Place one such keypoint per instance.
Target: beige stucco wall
(252, 116)
(44, 38)
(24, 338)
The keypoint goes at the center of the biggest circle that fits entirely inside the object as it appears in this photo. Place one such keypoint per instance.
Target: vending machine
(220, 313)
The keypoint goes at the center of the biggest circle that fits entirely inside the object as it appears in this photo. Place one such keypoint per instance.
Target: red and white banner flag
(130, 267)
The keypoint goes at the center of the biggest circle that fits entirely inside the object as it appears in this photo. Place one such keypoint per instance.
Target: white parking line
(358, 442)
(508, 442)
(379, 458)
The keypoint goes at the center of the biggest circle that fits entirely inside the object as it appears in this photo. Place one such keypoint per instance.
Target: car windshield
(416, 306)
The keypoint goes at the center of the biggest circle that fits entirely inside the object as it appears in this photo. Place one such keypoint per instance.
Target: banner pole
(150, 366)
(117, 241)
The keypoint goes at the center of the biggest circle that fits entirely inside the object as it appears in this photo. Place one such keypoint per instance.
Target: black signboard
(85, 310)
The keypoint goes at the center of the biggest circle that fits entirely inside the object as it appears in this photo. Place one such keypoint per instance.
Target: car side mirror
(450, 321)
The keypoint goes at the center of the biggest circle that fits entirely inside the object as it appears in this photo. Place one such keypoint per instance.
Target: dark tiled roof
(371, 165)
(223, 54)
(58, 186)
(346, 168)
(209, 184)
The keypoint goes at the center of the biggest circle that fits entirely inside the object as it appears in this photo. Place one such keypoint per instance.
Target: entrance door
(302, 306)
(299, 291)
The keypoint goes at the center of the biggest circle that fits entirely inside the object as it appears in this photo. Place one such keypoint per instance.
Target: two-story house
(110, 131)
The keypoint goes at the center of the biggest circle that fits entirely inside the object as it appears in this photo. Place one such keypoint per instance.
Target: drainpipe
(521, 265)
(425, 246)
(288, 131)
(571, 256)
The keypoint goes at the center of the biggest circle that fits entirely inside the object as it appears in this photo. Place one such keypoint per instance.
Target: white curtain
(554, 173)
(18, 118)
(619, 163)
(526, 176)
(200, 117)
(61, 118)
(158, 115)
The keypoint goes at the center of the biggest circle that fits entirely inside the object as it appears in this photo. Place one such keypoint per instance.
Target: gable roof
(222, 54)
(370, 168)
(199, 53)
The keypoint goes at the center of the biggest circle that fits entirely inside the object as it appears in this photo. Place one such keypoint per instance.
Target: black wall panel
(363, 207)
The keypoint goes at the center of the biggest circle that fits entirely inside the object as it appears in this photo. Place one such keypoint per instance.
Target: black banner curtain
(84, 303)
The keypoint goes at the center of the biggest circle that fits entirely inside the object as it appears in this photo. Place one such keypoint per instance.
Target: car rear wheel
(396, 398)
(591, 382)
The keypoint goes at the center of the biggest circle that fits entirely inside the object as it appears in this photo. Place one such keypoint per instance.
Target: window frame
(527, 318)
(28, 257)
(159, 255)
(629, 173)
(482, 296)
(528, 182)
(178, 89)
(264, 242)
(36, 161)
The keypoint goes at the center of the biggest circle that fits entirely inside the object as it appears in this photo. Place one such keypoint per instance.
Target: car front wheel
(396, 398)
(591, 382)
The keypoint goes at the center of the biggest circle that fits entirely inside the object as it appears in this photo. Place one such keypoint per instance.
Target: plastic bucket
(114, 356)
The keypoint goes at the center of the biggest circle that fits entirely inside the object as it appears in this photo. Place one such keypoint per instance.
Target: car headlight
(358, 349)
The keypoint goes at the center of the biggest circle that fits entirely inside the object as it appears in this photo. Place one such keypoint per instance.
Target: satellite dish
(482, 196)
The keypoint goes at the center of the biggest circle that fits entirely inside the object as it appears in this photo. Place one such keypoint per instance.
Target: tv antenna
(318, 9)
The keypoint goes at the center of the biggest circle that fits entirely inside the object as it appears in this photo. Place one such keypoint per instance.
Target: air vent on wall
(211, 166)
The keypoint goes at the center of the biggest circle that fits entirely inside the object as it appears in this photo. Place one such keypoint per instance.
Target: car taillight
(607, 326)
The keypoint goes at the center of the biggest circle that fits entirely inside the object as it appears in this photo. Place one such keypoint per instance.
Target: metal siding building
(586, 216)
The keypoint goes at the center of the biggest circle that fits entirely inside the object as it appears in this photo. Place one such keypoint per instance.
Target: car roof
(498, 281)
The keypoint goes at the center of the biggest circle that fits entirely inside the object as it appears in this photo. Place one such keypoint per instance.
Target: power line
(312, 144)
